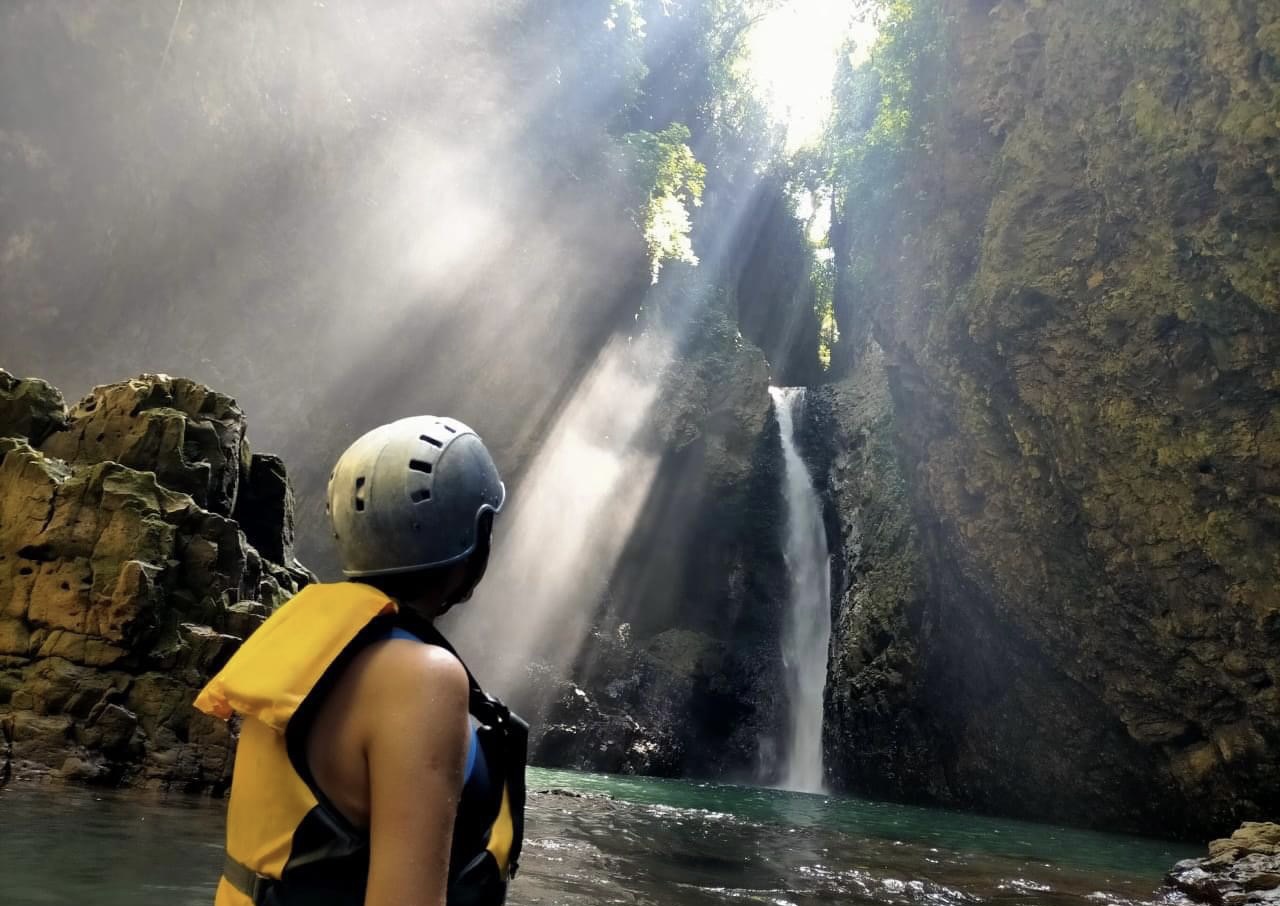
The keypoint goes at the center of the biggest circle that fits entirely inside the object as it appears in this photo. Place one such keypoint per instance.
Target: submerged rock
(119, 593)
(1240, 870)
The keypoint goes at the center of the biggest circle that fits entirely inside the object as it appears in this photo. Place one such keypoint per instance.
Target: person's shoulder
(417, 670)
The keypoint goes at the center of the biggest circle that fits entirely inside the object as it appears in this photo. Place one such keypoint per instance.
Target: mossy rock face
(120, 596)
(1077, 295)
(878, 576)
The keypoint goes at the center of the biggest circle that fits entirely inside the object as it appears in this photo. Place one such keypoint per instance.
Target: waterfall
(807, 630)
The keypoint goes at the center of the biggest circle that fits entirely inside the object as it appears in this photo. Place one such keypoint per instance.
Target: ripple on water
(627, 841)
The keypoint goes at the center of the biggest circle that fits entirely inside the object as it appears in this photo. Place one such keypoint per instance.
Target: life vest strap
(246, 880)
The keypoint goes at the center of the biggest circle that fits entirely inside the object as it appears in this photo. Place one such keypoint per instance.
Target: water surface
(594, 839)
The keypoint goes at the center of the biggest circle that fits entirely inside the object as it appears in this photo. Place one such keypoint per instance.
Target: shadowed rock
(264, 508)
(30, 408)
(1078, 318)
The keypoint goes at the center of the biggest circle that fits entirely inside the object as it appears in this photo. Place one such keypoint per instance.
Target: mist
(337, 214)
(342, 214)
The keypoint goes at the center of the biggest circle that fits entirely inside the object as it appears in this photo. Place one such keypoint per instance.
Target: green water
(594, 839)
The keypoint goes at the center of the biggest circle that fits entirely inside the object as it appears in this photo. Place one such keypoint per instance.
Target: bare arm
(416, 752)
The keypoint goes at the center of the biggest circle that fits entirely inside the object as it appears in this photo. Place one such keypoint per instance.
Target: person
(372, 769)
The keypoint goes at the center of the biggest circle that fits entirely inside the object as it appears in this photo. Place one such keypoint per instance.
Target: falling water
(807, 630)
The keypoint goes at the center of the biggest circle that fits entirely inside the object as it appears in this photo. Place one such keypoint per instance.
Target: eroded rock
(192, 437)
(120, 594)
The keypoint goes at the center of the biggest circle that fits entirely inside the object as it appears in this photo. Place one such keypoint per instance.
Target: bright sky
(791, 55)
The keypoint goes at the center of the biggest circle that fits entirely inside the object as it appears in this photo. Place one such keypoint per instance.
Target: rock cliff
(1067, 467)
(683, 675)
(126, 576)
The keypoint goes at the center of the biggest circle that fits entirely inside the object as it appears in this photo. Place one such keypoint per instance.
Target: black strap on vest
(246, 880)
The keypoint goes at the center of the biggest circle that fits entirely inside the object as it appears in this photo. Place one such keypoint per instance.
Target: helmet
(410, 495)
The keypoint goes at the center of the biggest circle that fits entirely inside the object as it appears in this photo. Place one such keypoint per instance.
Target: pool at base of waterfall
(595, 839)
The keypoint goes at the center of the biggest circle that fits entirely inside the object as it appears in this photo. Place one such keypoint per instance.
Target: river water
(594, 840)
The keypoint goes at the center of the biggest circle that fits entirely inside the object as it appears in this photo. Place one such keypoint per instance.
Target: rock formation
(683, 676)
(874, 717)
(126, 577)
(1240, 870)
(1075, 610)
(679, 704)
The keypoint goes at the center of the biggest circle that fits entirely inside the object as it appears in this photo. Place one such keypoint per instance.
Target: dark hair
(423, 583)
(409, 586)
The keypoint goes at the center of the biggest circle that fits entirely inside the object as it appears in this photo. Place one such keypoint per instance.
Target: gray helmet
(409, 496)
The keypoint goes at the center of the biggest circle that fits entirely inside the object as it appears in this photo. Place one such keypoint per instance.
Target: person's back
(372, 768)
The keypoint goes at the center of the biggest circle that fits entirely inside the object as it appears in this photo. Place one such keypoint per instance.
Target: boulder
(651, 706)
(1242, 869)
(580, 731)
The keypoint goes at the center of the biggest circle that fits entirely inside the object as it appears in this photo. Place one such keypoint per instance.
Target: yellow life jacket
(285, 842)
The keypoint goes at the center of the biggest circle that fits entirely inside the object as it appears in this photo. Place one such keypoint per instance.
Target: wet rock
(1240, 870)
(879, 580)
(6, 752)
(651, 706)
(120, 593)
(576, 730)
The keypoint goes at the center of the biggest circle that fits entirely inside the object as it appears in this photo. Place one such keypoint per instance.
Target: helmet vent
(449, 428)
(419, 466)
(432, 441)
(360, 494)
(420, 495)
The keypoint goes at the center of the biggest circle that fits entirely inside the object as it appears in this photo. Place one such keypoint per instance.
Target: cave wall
(1077, 295)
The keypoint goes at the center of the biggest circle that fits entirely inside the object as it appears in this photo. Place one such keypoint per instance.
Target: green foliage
(823, 276)
(592, 62)
(882, 120)
(664, 168)
(735, 110)
(880, 107)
